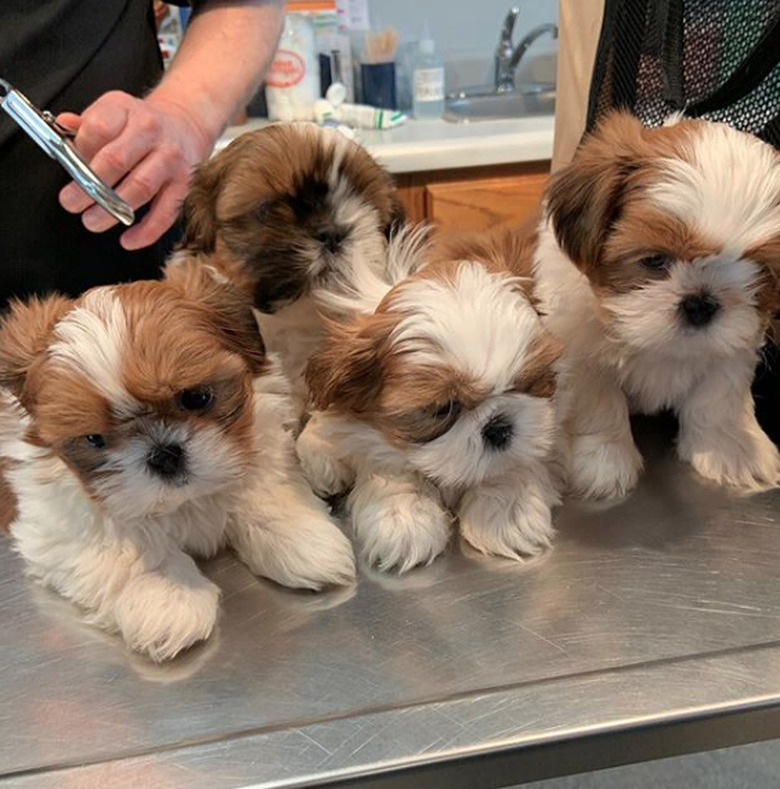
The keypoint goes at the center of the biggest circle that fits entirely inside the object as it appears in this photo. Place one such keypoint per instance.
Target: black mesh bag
(715, 59)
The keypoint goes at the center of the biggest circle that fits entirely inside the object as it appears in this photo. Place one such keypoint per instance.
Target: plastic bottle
(427, 80)
(293, 81)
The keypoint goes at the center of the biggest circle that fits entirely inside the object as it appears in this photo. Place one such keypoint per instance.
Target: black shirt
(63, 54)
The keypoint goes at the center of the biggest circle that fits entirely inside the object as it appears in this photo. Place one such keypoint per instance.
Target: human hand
(146, 146)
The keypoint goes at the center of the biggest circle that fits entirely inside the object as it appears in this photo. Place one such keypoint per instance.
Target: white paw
(748, 461)
(327, 475)
(601, 469)
(512, 523)
(400, 524)
(309, 552)
(161, 617)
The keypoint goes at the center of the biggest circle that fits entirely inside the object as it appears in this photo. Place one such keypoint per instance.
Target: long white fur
(126, 561)
(630, 352)
(403, 500)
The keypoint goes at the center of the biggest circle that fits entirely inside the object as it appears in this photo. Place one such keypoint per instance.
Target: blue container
(378, 83)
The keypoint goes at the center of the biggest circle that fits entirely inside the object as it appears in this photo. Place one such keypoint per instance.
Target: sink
(486, 104)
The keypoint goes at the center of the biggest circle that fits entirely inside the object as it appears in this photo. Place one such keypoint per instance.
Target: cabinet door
(481, 203)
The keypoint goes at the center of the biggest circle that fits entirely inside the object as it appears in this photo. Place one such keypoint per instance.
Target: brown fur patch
(538, 377)
(25, 331)
(509, 250)
(768, 255)
(7, 501)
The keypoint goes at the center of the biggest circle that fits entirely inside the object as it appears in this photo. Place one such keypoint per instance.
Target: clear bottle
(427, 81)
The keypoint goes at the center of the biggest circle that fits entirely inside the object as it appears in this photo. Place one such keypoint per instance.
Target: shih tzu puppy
(441, 402)
(144, 423)
(657, 267)
(289, 212)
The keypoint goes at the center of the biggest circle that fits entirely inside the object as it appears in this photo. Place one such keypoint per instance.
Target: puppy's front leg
(318, 450)
(164, 610)
(282, 531)
(141, 585)
(510, 516)
(399, 518)
(603, 459)
(719, 433)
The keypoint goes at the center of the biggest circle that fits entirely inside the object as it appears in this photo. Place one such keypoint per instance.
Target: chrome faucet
(508, 56)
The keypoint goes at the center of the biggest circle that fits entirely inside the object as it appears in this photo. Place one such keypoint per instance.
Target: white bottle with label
(293, 79)
(427, 81)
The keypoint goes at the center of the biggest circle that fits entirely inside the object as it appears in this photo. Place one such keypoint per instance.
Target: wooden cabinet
(474, 198)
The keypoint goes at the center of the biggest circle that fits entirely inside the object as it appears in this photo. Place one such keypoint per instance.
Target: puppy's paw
(308, 552)
(509, 522)
(161, 617)
(601, 469)
(327, 475)
(400, 525)
(748, 461)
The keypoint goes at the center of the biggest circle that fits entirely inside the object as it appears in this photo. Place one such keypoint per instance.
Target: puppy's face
(678, 230)
(142, 391)
(297, 207)
(453, 368)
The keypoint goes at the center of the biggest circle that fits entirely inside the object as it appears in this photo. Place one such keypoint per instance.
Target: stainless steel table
(652, 628)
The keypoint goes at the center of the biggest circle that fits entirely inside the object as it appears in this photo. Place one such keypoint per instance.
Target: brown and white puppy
(290, 212)
(441, 402)
(657, 267)
(142, 423)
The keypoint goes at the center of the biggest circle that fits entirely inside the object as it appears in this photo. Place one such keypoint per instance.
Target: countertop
(437, 145)
(652, 628)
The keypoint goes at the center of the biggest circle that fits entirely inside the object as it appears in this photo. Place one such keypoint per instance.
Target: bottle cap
(336, 93)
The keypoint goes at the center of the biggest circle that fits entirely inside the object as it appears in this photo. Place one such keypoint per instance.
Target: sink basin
(485, 104)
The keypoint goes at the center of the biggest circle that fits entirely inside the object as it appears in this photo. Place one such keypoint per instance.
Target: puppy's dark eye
(656, 262)
(195, 399)
(95, 440)
(450, 410)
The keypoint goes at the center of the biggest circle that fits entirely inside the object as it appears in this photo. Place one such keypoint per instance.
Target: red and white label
(287, 69)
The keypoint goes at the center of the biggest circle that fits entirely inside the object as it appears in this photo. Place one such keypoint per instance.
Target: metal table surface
(652, 628)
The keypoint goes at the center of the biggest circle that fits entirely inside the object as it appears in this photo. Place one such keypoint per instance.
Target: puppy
(142, 423)
(441, 402)
(657, 267)
(289, 212)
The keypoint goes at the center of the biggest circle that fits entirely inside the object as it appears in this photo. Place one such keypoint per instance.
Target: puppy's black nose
(699, 310)
(498, 432)
(330, 237)
(166, 460)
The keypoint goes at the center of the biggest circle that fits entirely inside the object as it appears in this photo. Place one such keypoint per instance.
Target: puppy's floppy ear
(229, 308)
(25, 333)
(583, 199)
(198, 212)
(347, 373)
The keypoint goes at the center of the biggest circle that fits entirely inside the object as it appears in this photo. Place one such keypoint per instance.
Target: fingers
(146, 147)
(100, 124)
(162, 177)
(163, 213)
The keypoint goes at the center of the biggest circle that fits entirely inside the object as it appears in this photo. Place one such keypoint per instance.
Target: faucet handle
(508, 27)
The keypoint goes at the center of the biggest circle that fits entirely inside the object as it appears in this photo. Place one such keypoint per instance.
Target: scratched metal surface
(662, 607)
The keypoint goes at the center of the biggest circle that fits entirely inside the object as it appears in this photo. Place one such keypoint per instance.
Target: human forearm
(221, 61)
